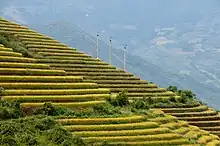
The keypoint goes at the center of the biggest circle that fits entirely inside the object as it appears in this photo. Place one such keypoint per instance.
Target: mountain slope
(190, 51)
(140, 94)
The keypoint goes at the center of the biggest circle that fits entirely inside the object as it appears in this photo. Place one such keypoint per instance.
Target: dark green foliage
(28, 139)
(98, 110)
(146, 103)
(149, 100)
(50, 110)
(172, 99)
(47, 109)
(37, 130)
(7, 113)
(186, 94)
(7, 140)
(10, 41)
(1, 90)
(105, 109)
(141, 104)
(44, 124)
(62, 137)
(120, 100)
(183, 99)
(9, 110)
(172, 88)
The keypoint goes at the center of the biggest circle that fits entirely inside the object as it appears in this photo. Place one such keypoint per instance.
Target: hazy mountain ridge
(199, 61)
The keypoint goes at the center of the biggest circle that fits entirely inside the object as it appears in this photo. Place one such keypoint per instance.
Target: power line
(97, 46)
(92, 40)
(110, 50)
(125, 48)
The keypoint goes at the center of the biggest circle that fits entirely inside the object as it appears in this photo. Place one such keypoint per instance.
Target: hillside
(187, 29)
(70, 26)
(93, 100)
(59, 126)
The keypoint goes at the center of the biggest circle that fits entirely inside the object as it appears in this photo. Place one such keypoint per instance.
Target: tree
(185, 94)
(172, 88)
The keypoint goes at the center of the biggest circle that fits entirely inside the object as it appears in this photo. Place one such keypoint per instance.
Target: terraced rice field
(34, 83)
(61, 57)
(138, 130)
(68, 77)
(199, 115)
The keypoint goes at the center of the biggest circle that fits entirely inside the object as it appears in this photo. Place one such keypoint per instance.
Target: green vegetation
(35, 131)
(114, 122)
(10, 41)
(9, 110)
(19, 130)
(185, 94)
(42, 129)
(120, 100)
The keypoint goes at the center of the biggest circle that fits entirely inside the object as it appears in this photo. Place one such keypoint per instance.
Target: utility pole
(97, 46)
(125, 58)
(110, 50)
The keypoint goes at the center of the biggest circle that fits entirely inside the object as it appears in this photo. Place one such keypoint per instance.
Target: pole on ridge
(124, 58)
(97, 46)
(110, 50)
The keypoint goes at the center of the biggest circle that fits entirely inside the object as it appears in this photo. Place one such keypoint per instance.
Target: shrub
(28, 139)
(10, 110)
(7, 113)
(64, 111)
(150, 100)
(60, 136)
(105, 109)
(44, 124)
(172, 88)
(1, 91)
(36, 130)
(10, 41)
(8, 140)
(188, 94)
(50, 110)
(183, 99)
(47, 109)
(120, 100)
(140, 104)
(172, 99)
